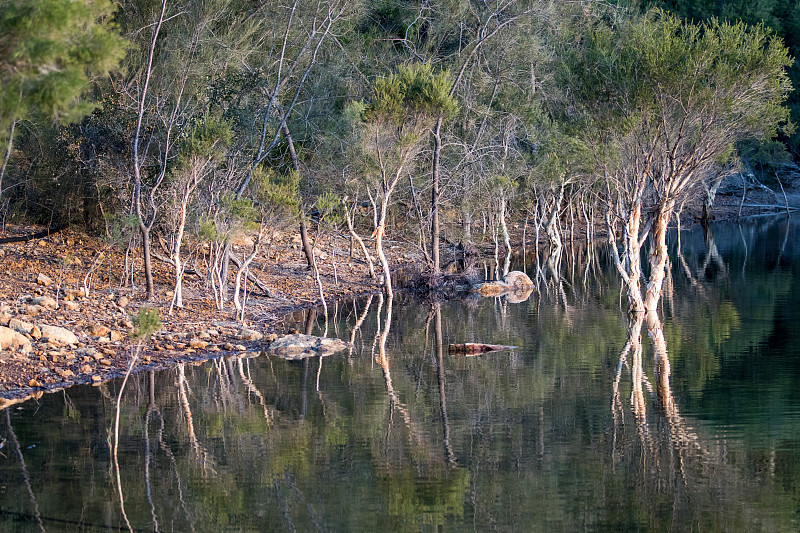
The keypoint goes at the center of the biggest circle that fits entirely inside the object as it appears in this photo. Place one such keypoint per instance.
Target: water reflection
(398, 435)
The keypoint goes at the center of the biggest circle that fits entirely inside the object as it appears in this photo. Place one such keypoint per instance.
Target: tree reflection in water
(398, 435)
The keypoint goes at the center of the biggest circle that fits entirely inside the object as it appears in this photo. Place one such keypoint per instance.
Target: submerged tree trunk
(658, 256)
(631, 268)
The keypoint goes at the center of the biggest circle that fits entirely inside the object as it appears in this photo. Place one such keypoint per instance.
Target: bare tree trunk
(137, 163)
(177, 298)
(306, 241)
(367, 258)
(243, 270)
(437, 140)
(506, 238)
(387, 276)
(631, 271)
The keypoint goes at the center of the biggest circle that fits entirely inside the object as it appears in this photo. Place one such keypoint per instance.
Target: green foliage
(659, 81)
(782, 16)
(412, 90)
(329, 207)
(49, 52)
(120, 227)
(278, 190)
(240, 210)
(208, 136)
(207, 230)
(145, 323)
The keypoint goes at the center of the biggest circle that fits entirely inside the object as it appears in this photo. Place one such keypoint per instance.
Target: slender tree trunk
(176, 256)
(137, 164)
(306, 241)
(506, 238)
(437, 149)
(387, 276)
(357, 238)
(634, 281)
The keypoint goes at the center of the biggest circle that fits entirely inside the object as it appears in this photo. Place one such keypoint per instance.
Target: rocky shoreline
(54, 335)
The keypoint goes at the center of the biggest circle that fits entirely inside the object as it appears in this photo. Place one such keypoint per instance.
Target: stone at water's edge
(299, 346)
(514, 281)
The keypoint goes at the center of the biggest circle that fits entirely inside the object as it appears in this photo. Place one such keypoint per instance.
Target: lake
(688, 419)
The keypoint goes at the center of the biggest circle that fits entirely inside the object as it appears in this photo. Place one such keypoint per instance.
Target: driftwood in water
(473, 348)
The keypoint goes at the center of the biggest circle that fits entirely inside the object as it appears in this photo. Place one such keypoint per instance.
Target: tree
(50, 50)
(403, 106)
(663, 101)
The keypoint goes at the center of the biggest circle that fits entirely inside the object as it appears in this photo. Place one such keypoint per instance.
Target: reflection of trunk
(25, 475)
(658, 256)
(638, 378)
(151, 408)
(358, 324)
(448, 449)
(712, 253)
(662, 369)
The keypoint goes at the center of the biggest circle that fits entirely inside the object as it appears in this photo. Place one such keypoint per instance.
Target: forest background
(157, 121)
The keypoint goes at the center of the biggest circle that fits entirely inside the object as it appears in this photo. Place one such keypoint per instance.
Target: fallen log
(474, 348)
(38, 235)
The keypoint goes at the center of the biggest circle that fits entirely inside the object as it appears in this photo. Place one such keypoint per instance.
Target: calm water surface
(688, 420)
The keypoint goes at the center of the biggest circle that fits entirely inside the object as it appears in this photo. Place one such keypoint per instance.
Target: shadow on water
(687, 418)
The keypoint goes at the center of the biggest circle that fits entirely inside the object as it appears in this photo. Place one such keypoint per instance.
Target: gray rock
(55, 333)
(299, 346)
(13, 340)
(45, 301)
(20, 326)
(44, 280)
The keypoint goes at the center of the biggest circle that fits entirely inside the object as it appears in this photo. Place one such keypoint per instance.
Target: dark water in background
(698, 429)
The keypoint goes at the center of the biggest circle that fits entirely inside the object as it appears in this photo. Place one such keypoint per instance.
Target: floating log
(474, 348)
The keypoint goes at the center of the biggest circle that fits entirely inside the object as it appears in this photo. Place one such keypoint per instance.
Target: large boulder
(55, 333)
(13, 340)
(299, 346)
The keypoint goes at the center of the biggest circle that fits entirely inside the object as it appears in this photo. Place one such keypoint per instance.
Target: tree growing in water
(663, 102)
